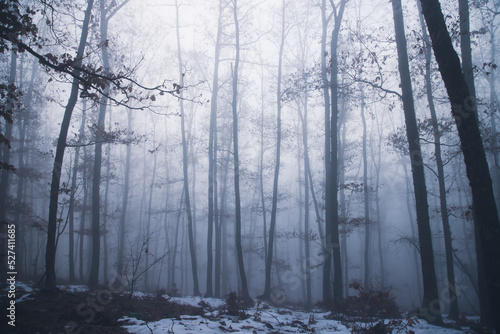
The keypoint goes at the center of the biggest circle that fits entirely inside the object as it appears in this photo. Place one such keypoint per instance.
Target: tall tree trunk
(171, 273)
(125, 191)
(377, 204)
(192, 246)
(50, 254)
(307, 188)
(71, 210)
(5, 172)
(452, 298)
(24, 129)
(147, 282)
(96, 180)
(327, 265)
(468, 71)
(105, 209)
(261, 159)
(430, 304)
(274, 207)
(83, 215)
(465, 113)
(342, 204)
(239, 250)
(366, 279)
(211, 157)
(332, 222)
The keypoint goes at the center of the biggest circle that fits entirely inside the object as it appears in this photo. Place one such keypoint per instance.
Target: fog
(156, 179)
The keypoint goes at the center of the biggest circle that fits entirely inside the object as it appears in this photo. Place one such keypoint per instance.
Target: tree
(430, 304)
(453, 314)
(468, 71)
(464, 110)
(106, 14)
(50, 254)
(192, 246)
(234, 106)
(272, 227)
(331, 153)
(212, 163)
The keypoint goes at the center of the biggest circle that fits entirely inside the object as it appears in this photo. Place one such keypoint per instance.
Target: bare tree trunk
(307, 188)
(147, 283)
(453, 300)
(5, 172)
(342, 202)
(468, 71)
(192, 246)
(171, 273)
(332, 223)
(239, 251)
(327, 266)
(366, 279)
(465, 114)
(270, 248)
(261, 159)
(71, 210)
(430, 304)
(211, 160)
(83, 216)
(377, 204)
(50, 254)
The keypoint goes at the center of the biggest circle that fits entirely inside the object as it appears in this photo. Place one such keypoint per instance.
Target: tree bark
(332, 222)
(50, 254)
(366, 278)
(211, 157)
(452, 298)
(239, 250)
(274, 204)
(5, 173)
(192, 246)
(465, 113)
(430, 308)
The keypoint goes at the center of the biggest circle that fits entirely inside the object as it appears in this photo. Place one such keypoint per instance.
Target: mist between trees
(286, 150)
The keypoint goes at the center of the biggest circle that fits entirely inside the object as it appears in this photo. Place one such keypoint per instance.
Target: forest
(180, 166)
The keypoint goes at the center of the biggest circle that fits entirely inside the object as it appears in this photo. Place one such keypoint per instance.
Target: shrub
(374, 302)
(234, 305)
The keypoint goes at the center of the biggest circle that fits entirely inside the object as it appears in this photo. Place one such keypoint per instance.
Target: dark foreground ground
(97, 312)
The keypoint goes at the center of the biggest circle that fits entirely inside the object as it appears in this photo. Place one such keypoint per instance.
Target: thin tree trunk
(147, 283)
(377, 205)
(83, 216)
(192, 246)
(261, 160)
(307, 188)
(50, 254)
(211, 158)
(126, 186)
(366, 257)
(105, 209)
(327, 266)
(239, 251)
(332, 223)
(272, 227)
(76, 168)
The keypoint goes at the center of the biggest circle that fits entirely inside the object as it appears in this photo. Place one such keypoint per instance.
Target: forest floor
(74, 309)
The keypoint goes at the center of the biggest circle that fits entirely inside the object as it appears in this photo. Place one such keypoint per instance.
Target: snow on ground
(262, 321)
(74, 288)
(195, 301)
(27, 288)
